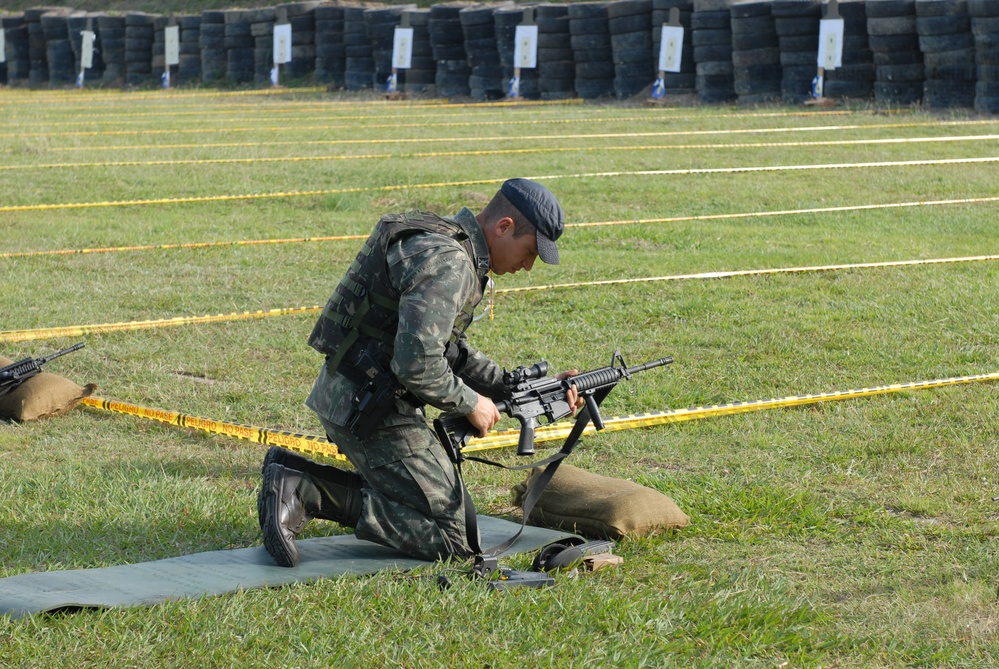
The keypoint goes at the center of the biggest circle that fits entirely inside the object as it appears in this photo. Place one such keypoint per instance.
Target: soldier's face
(509, 254)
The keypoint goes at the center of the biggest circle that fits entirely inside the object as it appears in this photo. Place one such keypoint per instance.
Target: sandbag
(600, 506)
(42, 396)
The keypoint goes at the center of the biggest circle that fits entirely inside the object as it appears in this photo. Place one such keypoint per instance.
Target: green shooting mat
(219, 572)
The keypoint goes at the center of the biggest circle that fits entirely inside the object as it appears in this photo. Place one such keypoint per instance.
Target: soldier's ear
(504, 226)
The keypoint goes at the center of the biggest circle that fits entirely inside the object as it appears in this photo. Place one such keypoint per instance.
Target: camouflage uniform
(412, 500)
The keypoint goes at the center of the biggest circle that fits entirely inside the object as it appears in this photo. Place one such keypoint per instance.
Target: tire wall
(941, 53)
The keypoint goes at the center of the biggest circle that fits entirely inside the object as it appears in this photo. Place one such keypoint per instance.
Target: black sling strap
(541, 481)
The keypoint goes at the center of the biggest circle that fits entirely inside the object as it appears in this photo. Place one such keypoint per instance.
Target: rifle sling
(541, 481)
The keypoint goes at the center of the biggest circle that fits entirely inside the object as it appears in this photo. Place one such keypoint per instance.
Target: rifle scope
(521, 374)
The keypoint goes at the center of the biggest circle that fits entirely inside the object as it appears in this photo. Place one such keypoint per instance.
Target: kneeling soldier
(393, 333)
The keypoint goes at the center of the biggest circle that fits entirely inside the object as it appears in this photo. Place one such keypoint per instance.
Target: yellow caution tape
(561, 430)
(773, 168)
(252, 113)
(256, 112)
(427, 123)
(480, 182)
(517, 138)
(206, 161)
(498, 439)
(188, 245)
(313, 128)
(291, 440)
(636, 221)
(79, 330)
(201, 161)
(258, 196)
(485, 152)
(795, 212)
(752, 272)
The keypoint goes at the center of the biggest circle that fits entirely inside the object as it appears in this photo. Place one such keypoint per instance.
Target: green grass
(859, 533)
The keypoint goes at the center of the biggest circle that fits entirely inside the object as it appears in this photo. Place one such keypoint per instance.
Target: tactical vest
(363, 312)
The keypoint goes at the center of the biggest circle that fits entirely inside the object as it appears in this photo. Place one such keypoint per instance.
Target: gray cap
(539, 206)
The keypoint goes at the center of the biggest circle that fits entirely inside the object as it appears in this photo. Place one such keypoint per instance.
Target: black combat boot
(340, 497)
(292, 460)
(289, 499)
(285, 512)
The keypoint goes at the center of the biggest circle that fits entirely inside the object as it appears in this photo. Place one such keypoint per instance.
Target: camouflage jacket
(435, 279)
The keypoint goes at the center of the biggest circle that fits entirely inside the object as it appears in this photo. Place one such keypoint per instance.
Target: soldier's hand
(572, 397)
(485, 415)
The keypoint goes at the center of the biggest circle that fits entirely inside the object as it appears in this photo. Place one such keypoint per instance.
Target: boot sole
(271, 492)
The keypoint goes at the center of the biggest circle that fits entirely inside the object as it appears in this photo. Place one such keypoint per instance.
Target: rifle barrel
(649, 365)
(74, 347)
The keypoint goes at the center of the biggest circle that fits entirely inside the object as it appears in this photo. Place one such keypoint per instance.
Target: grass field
(856, 533)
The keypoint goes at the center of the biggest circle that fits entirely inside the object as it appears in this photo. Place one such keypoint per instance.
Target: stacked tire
(16, 50)
(138, 48)
(985, 30)
(302, 17)
(630, 24)
(159, 47)
(111, 44)
(589, 36)
(359, 65)
(239, 47)
(898, 62)
(330, 51)
(797, 24)
(3, 31)
(189, 68)
(448, 47)
(58, 49)
(506, 20)
(684, 81)
(944, 29)
(855, 78)
(38, 73)
(421, 77)
(479, 29)
(755, 53)
(556, 68)
(211, 39)
(381, 24)
(711, 28)
(262, 31)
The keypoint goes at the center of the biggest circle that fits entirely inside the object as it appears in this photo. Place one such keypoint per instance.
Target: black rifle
(18, 372)
(534, 394)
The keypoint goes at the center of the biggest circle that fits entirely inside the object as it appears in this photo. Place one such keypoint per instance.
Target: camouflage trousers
(413, 500)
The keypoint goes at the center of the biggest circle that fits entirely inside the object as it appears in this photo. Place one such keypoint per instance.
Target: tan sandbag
(600, 506)
(42, 396)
